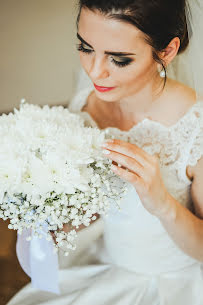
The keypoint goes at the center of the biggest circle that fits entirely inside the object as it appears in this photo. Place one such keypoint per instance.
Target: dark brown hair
(159, 20)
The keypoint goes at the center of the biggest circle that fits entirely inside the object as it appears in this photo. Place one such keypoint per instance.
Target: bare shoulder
(185, 94)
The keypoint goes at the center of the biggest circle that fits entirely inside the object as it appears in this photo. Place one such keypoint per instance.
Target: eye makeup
(121, 63)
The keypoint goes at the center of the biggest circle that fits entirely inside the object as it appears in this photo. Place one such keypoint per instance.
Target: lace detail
(176, 146)
(196, 151)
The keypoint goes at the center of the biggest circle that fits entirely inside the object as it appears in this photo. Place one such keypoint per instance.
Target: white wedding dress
(128, 257)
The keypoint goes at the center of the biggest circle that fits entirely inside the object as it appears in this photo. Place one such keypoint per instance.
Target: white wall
(38, 56)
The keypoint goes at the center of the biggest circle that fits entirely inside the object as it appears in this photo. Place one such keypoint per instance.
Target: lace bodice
(176, 146)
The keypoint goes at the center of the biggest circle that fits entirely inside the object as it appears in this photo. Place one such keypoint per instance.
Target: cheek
(82, 59)
(136, 76)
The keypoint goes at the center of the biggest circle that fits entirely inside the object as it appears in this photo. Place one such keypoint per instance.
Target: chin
(107, 96)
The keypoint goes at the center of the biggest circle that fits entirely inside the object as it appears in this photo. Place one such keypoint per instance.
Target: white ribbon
(38, 260)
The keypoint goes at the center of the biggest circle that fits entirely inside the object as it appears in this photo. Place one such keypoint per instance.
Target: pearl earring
(161, 72)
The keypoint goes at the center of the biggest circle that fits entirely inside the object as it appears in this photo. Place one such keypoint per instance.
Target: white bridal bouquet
(53, 172)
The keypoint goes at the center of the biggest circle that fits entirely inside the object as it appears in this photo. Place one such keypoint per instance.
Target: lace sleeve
(196, 151)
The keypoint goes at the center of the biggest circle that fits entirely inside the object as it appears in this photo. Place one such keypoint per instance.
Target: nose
(98, 69)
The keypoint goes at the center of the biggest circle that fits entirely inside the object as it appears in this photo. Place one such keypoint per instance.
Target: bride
(150, 252)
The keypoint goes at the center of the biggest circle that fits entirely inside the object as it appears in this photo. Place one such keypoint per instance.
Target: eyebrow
(106, 52)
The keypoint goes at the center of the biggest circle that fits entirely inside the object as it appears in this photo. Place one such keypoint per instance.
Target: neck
(143, 103)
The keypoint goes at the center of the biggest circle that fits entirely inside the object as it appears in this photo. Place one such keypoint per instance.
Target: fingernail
(106, 152)
(107, 142)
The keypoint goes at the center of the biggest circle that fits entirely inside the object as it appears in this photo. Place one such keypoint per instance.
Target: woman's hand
(142, 171)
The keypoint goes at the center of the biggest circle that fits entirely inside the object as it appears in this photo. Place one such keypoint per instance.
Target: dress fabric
(133, 260)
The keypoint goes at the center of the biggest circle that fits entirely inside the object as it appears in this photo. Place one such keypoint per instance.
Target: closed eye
(122, 63)
(81, 48)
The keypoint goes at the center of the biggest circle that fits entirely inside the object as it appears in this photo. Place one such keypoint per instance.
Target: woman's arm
(185, 228)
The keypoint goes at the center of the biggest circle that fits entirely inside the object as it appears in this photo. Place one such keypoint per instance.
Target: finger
(117, 164)
(128, 163)
(130, 150)
(127, 175)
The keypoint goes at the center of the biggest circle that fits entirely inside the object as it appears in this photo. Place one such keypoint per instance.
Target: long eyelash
(117, 63)
(82, 49)
(121, 64)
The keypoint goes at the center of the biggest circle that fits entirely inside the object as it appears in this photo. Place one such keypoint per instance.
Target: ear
(170, 51)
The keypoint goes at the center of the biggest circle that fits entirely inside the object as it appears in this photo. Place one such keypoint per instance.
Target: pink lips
(103, 89)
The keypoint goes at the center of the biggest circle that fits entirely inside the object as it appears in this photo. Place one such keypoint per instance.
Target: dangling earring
(161, 71)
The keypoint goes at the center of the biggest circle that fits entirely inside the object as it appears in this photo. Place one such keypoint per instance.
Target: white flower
(52, 171)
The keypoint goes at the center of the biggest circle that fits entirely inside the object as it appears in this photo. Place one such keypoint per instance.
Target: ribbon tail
(38, 260)
(23, 251)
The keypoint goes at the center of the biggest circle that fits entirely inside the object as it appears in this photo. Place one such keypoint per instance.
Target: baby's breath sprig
(53, 172)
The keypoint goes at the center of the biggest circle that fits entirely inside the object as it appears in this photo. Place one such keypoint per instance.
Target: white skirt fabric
(109, 284)
(126, 258)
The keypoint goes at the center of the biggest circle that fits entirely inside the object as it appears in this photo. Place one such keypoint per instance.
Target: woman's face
(128, 74)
